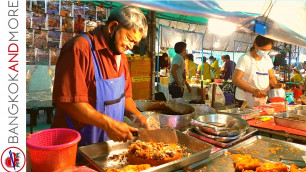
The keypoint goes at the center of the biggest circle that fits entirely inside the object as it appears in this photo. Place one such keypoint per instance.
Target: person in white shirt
(254, 74)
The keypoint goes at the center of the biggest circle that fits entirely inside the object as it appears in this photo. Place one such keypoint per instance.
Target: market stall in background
(207, 121)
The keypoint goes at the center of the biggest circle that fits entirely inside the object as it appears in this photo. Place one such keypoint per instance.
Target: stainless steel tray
(301, 107)
(245, 114)
(98, 154)
(257, 146)
(270, 149)
(300, 110)
(248, 134)
(286, 119)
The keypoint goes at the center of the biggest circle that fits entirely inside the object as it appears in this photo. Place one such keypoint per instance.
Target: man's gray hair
(130, 18)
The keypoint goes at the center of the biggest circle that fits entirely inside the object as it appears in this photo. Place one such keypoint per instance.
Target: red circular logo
(13, 159)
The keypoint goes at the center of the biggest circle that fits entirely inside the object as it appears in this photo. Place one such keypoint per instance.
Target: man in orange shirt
(92, 86)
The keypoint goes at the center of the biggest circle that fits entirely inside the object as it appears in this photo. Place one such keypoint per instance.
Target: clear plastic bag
(219, 97)
(40, 39)
(54, 53)
(53, 7)
(54, 39)
(42, 57)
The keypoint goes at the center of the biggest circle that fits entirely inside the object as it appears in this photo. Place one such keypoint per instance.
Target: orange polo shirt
(74, 74)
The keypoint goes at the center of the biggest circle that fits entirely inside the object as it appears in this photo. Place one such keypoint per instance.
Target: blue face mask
(262, 53)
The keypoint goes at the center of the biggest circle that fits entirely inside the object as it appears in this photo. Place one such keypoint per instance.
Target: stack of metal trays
(249, 132)
(263, 148)
(101, 155)
(293, 119)
(218, 126)
(245, 114)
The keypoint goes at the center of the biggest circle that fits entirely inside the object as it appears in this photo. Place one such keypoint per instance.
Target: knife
(166, 135)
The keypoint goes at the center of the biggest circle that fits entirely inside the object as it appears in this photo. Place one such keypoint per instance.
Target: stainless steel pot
(240, 125)
(276, 92)
(170, 114)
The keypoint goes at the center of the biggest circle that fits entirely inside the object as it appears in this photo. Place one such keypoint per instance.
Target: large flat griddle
(98, 154)
(264, 148)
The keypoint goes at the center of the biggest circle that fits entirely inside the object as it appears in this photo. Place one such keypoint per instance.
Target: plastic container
(277, 99)
(297, 92)
(53, 149)
(290, 96)
(218, 80)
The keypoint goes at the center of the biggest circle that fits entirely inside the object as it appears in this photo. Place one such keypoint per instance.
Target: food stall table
(39, 100)
(271, 128)
(194, 95)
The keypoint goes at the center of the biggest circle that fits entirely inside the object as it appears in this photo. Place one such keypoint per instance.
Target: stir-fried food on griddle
(294, 168)
(153, 153)
(245, 162)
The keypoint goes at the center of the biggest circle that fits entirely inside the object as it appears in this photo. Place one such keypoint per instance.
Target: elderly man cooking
(92, 87)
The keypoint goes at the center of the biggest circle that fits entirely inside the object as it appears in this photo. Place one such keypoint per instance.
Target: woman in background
(192, 66)
(297, 77)
(254, 73)
(206, 69)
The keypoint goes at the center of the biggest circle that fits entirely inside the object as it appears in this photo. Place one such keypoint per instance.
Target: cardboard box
(140, 67)
(141, 88)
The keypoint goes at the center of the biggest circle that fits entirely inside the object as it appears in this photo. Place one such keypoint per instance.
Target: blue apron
(110, 101)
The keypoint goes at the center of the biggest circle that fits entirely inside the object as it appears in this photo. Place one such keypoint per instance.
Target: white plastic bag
(219, 97)
(212, 73)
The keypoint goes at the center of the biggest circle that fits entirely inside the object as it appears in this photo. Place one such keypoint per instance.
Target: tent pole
(151, 48)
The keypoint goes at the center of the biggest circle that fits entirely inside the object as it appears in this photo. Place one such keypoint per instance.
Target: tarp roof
(285, 23)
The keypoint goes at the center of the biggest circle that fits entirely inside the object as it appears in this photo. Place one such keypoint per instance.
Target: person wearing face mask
(178, 74)
(254, 73)
(92, 86)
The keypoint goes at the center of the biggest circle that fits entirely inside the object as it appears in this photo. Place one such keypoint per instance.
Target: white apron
(259, 79)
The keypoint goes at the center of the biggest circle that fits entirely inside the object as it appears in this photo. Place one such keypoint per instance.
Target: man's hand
(258, 93)
(181, 87)
(149, 122)
(142, 121)
(119, 131)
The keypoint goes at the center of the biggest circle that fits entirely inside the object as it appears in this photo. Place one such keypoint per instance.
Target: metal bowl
(240, 126)
(219, 138)
(170, 114)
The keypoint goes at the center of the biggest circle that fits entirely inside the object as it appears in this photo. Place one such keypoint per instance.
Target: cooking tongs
(217, 128)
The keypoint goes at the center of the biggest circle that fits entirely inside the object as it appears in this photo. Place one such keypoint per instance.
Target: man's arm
(143, 121)
(130, 108)
(185, 81)
(85, 113)
(174, 73)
